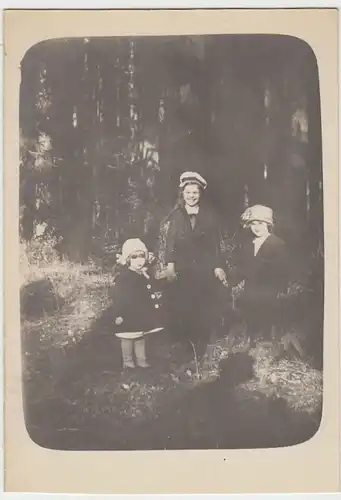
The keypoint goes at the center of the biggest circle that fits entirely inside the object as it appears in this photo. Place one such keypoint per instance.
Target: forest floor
(76, 395)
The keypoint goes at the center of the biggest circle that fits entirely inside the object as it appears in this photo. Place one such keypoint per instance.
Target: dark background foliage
(108, 124)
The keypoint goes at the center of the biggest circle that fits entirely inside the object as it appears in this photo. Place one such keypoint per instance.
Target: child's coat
(136, 299)
(265, 275)
(267, 270)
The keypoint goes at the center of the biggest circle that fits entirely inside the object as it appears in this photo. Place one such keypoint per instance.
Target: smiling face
(191, 194)
(259, 228)
(137, 261)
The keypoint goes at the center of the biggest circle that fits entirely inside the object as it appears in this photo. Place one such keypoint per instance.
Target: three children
(262, 265)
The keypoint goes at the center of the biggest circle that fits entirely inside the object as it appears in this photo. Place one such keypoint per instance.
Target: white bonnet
(129, 247)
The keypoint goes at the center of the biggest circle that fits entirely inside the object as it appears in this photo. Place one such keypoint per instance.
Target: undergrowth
(84, 290)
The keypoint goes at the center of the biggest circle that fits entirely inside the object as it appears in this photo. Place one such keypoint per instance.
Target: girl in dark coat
(263, 264)
(193, 263)
(136, 303)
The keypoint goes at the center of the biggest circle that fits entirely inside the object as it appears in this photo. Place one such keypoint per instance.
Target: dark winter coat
(195, 249)
(137, 300)
(193, 299)
(266, 270)
(265, 275)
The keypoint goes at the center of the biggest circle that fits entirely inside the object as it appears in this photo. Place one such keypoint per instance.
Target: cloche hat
(257, 212)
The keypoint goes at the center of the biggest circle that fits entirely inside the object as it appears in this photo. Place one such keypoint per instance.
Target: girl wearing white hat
(262, 263)
(136, 303)
(194, 263)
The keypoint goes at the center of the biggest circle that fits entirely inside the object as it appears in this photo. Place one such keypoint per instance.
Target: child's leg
(140, 353)
(252, 323)
(269, 315)
(127, 353)
(249, 308)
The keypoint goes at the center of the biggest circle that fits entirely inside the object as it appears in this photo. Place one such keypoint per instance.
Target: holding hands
(221, 275)
(168, 273)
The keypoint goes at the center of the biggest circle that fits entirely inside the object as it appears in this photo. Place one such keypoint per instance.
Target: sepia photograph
(171, 242)
(171, 251)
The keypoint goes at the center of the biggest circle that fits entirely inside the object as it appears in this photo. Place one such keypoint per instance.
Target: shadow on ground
(80, 410)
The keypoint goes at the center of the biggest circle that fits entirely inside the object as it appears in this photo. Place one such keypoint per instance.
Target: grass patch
(83, 290)
(291, 379)
(97, 394)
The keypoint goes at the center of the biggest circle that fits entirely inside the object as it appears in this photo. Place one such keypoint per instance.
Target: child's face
(137, 261)
(191, 194)
(259, 228)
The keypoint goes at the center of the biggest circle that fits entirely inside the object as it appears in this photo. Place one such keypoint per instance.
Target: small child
(262, 264)
(136, 304)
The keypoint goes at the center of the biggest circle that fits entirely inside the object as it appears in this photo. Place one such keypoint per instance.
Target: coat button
(153, 296)
(156, 306)
(149, 287)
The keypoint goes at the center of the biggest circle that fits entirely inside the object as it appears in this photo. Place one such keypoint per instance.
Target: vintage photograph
(171, 242)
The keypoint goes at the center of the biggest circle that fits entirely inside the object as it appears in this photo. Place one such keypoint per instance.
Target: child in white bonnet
(136, 306)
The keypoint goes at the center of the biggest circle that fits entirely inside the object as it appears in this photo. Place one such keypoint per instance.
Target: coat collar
(192, 210)
(269, 243)
(130, 274)
(258, 243)
(264, 247)
(200, 216)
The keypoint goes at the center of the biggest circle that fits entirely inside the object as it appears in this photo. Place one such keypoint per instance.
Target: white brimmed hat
(257, 212)
(192, 178)
(129, 247)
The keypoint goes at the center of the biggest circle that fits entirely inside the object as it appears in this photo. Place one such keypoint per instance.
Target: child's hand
(167, 273)
(119, 320)
(170, 272)
(151, 258)
(160, 275)
(220, 274)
